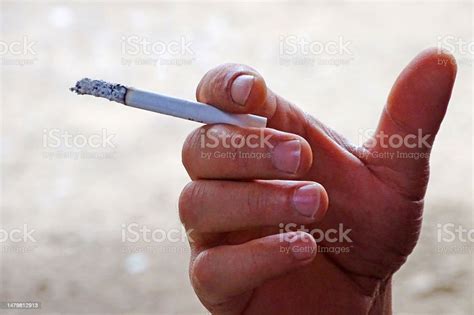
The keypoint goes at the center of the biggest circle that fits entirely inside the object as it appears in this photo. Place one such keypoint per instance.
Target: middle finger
(231, 152)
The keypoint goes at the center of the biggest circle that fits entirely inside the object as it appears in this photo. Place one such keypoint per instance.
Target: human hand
(308, 175)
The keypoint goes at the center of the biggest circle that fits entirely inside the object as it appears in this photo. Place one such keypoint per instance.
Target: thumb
(399, 150)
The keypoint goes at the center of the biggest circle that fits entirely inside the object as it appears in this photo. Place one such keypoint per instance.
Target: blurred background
(81, 177)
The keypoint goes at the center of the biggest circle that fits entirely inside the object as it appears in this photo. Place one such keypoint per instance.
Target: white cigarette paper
(167, 105)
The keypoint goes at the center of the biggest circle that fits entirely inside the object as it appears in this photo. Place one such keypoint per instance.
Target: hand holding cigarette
(298, 171)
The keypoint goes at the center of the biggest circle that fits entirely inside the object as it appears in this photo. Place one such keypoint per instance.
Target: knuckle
(201, 272)
(189, 152)
(190, 197)
(257, 202)
(211, 83)
(252, 260)
(215, 85)
(184, 203)
(306, 161)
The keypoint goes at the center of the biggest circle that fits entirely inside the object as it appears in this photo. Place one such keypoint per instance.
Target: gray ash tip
(99, 88)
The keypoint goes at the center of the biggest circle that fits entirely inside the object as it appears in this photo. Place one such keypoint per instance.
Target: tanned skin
(240, 262)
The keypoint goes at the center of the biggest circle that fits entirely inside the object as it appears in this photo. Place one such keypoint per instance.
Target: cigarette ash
(99, 88)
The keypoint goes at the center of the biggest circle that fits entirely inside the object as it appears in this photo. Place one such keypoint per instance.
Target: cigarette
(163, 104)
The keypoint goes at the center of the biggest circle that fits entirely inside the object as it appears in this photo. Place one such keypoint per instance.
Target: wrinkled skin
(234, 206)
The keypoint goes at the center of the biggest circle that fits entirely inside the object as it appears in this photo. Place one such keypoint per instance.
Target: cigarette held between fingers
(163, 104)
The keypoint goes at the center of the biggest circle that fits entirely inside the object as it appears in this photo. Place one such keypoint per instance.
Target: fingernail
(303, 248)
(306, 200)
(286, 156)
(240, 89)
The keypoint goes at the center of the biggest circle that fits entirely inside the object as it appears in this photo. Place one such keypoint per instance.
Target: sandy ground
(77, 199)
